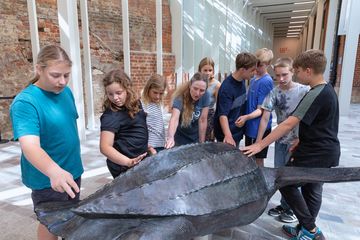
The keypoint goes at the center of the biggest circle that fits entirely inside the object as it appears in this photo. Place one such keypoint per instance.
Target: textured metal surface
(181, 193)
(191, 189)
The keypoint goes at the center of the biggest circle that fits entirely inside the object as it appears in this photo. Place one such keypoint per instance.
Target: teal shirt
(51, 117)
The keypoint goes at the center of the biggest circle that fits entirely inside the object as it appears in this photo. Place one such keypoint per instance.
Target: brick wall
(355, 96)
(105, 24)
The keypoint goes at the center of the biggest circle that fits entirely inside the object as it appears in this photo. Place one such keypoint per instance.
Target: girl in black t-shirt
(124, 134)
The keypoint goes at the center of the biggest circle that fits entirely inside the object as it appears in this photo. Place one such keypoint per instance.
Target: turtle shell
(189, 180)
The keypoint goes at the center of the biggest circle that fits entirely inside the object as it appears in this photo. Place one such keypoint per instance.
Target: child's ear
(38, 69)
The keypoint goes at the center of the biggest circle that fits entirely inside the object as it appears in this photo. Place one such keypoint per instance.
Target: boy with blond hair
(260, 86)
(283, 99)
(318, 117)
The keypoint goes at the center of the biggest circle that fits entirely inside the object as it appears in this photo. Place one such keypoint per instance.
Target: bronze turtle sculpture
(188, 191)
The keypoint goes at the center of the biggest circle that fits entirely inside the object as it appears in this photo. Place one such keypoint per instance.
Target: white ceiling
(280, 13)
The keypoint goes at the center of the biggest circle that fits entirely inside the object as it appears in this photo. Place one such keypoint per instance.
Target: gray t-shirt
(190, 134)
(284, 103)
(211, 91)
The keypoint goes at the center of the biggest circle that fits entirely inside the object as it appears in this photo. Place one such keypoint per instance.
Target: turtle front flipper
(293, 175)
(173, 228)
(61, 221)
(168, 228)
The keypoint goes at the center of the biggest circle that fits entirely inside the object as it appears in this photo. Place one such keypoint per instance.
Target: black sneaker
(291, 231)
(288, 216)
(276, 211)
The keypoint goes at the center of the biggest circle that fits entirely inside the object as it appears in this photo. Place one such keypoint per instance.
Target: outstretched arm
(203, 124)
(61, 180)
(282, 129)
(106, 148)
(173, 124)
(263, 124)
(224, 122)
(242, 119)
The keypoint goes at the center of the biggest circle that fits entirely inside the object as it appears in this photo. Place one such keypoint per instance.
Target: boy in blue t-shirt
(231, 100)
(260, 87)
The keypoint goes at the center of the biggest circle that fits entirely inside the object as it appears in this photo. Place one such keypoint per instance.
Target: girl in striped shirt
(151, 100)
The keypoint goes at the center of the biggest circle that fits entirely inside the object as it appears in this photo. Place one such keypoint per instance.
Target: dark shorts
(50, 195)
(249, 141)
(158, 149)
(115, 169)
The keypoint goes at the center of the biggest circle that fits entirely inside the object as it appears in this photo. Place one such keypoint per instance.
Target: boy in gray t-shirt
(283, 99)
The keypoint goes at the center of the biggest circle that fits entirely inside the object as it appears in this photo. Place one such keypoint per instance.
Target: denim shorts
(50, 195)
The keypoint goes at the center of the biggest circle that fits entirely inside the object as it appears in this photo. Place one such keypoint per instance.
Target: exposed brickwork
(105, 23)
(144, 65)
(355, 96)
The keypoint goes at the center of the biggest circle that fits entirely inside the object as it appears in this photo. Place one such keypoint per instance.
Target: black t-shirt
(318, 129)
(131, 135)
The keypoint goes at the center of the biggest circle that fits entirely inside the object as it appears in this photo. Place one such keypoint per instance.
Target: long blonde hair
(132, 104)
(184, 93)
(155, 81)
(48, 54)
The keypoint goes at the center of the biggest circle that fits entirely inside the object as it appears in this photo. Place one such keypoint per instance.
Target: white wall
(219, 29)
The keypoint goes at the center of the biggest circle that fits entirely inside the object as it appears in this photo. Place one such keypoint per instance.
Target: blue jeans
(281, 157)
(282, 154)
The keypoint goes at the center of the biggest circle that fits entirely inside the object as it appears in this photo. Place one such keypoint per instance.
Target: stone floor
(338, 217)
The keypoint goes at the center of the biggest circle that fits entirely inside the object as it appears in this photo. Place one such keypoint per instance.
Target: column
(209, 46)
(35, 46)
(159, 50)
(126, 36)
(198, 25)
(347, 74)
(89, 95)
(70, 41)
(310, 33)
(176, 8)
(330, 35)
(305, 34)
(188, 37)
(318, 24)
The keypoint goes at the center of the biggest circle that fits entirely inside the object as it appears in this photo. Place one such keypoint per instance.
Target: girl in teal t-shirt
(44, 117)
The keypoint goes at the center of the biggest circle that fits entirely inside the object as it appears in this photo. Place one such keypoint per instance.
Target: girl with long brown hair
(189, 112)
(124, 135)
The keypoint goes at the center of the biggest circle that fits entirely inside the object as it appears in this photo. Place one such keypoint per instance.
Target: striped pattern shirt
(155, 124)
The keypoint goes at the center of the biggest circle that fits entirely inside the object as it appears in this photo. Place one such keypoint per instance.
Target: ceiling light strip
(300, 3)
(302, 10)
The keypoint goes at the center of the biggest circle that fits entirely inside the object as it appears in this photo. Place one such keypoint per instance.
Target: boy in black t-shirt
(318, 117)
